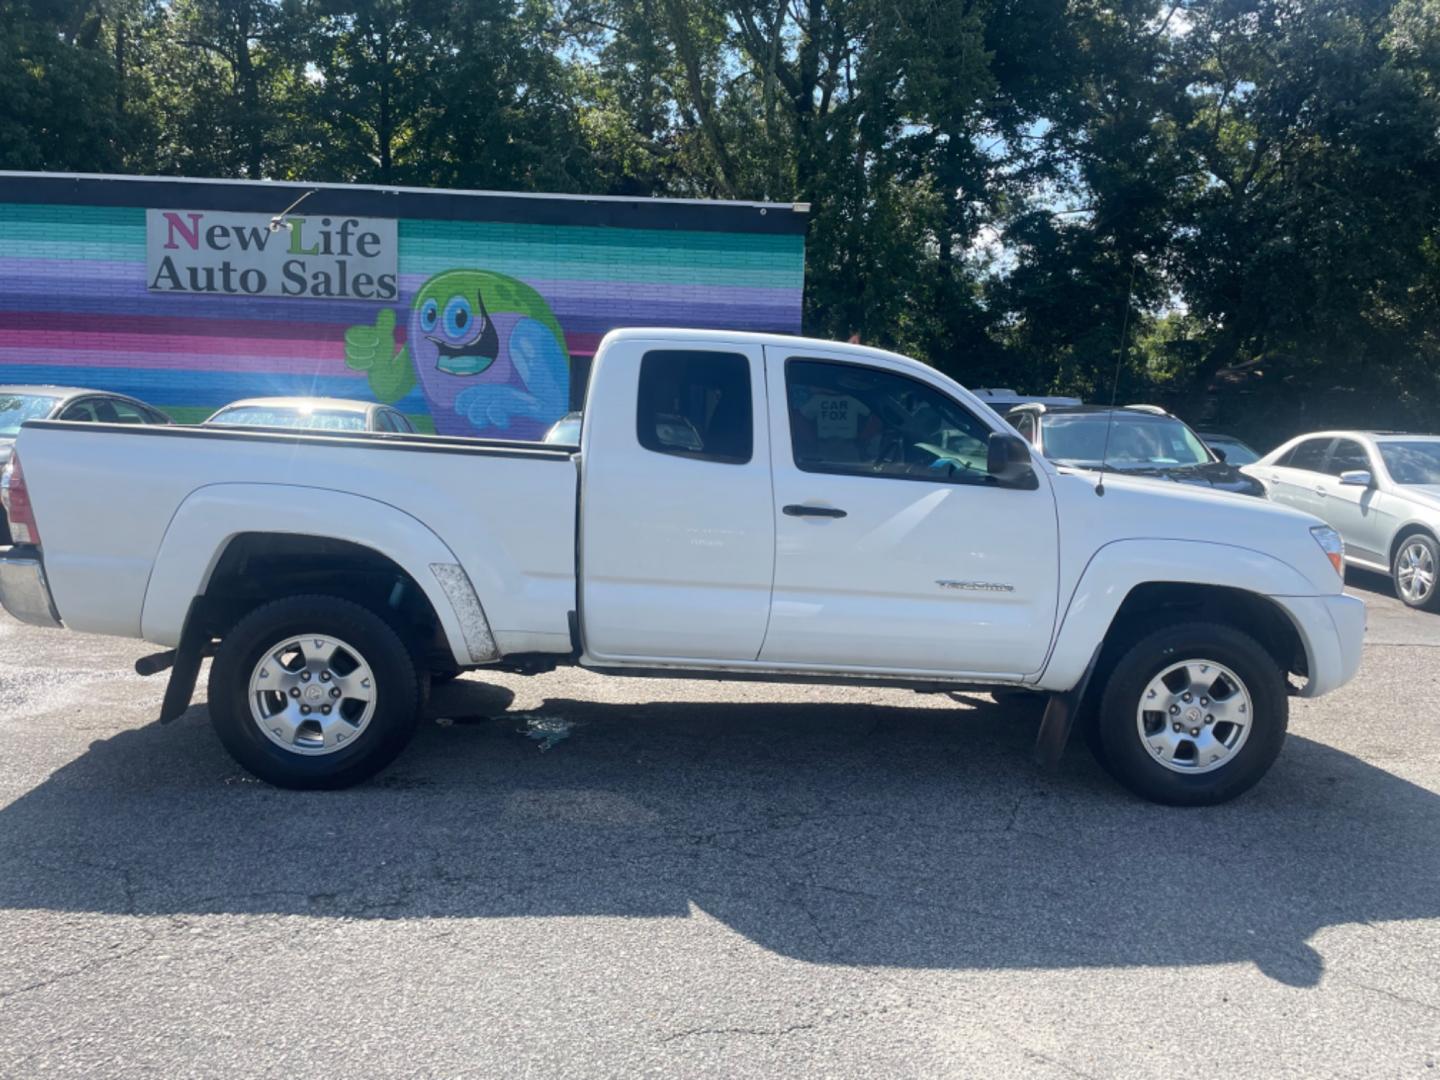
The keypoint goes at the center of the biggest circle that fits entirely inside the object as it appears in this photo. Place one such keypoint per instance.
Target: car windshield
(1412, 462)
(15, 409)
(1236, 452)
(1137, 440)
(290, 417)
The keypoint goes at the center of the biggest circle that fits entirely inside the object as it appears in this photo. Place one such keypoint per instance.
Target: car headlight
(1330, 543)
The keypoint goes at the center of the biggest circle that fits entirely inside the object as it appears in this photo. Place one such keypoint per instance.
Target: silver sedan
(311, 414)
(1380, 491)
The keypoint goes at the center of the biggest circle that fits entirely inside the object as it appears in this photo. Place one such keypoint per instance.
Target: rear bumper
(24, 592)
(1332, 629)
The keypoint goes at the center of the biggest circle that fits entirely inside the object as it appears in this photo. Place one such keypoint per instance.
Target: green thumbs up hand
(372, 349)
(365, 344)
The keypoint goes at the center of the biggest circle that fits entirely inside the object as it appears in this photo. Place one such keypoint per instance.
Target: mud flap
(1059, 718)
(194, 643)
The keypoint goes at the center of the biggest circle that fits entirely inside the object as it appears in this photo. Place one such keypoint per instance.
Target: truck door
(677, 541)
(893, 550)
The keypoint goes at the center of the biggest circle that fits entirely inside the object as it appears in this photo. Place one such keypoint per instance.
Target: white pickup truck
(739, 506)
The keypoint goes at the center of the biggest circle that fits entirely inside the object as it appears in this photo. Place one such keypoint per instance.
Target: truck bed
(506, 510)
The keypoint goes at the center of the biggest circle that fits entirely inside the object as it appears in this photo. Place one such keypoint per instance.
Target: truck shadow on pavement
(835, 833)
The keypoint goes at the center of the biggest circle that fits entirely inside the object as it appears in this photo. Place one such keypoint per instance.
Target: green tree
(225, 74)
(68, 84)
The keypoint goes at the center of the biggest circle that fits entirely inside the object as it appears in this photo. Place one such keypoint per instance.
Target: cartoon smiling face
(455, 325)
(489, 339)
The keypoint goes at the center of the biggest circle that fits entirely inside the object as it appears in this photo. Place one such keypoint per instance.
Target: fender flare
(210, 517)
(1120, 566)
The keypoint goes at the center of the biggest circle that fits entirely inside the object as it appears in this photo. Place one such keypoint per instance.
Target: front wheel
(1192, 715)
(1414, 572)
(314, 692)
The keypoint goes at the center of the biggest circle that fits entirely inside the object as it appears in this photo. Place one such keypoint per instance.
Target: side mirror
(1218, 452)
(1008, 461)
(1357, 478)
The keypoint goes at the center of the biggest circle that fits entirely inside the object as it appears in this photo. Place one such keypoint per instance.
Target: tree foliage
(997, 186)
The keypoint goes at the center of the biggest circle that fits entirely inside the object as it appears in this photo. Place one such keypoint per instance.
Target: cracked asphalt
(704, 879)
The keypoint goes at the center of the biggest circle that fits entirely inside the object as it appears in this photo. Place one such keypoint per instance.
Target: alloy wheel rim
(312, 694)
(1415, 571)
(1194, 716)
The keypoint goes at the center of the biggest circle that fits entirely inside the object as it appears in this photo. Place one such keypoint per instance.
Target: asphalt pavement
(571, 875)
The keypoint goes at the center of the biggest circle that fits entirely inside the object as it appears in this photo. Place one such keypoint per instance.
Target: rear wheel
(1192, 715)
(314, 692)
(1414, 572)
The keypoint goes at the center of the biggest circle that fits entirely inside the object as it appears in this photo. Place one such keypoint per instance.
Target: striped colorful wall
(75, 308)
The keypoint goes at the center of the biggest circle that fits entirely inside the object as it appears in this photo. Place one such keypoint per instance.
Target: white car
(1379, 490)
(742, 506)
(311, 414)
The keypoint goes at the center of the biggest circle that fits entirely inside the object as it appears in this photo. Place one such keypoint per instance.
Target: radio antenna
(1115, 379)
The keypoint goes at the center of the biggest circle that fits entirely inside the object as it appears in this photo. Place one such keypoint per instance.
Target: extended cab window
(696, 404)
(861, 421)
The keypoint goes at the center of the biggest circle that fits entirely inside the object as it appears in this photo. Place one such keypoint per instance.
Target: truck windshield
(1137, 440)
(1412, 462)
(15, 409)
(310, 419)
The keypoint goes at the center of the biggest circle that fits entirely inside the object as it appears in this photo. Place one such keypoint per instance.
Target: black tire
(398, 691)
(1123, 752)
(1430, 601)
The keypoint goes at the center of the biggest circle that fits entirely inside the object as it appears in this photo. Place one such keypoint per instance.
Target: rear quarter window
(696, 404)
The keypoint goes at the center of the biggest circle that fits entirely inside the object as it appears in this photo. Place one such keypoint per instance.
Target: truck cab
(835, 512)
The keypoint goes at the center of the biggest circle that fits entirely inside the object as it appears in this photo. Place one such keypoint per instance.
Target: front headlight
(1330, 543)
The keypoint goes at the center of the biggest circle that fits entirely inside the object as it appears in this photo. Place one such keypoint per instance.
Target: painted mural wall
(479, 334)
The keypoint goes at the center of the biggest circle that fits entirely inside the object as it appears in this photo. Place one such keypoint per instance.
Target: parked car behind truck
(21, 403)
(1379, 490)
(1138, 440)
(825, 512)
(311, 414)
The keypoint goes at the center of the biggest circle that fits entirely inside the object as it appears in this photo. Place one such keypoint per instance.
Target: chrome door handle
(1321, 492)
(799, 510)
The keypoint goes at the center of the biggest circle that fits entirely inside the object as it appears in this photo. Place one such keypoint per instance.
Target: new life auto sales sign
(214, 252)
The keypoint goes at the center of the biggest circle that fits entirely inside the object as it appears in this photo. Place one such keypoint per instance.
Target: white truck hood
(1133, 508)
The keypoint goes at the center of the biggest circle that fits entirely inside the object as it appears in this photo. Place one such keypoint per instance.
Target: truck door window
(861, 421)
(696, 404)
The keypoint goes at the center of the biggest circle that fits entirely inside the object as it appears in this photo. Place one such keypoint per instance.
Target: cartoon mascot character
(488, 351)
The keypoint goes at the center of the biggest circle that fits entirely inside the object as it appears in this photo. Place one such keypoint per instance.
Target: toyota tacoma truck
(740, 506)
